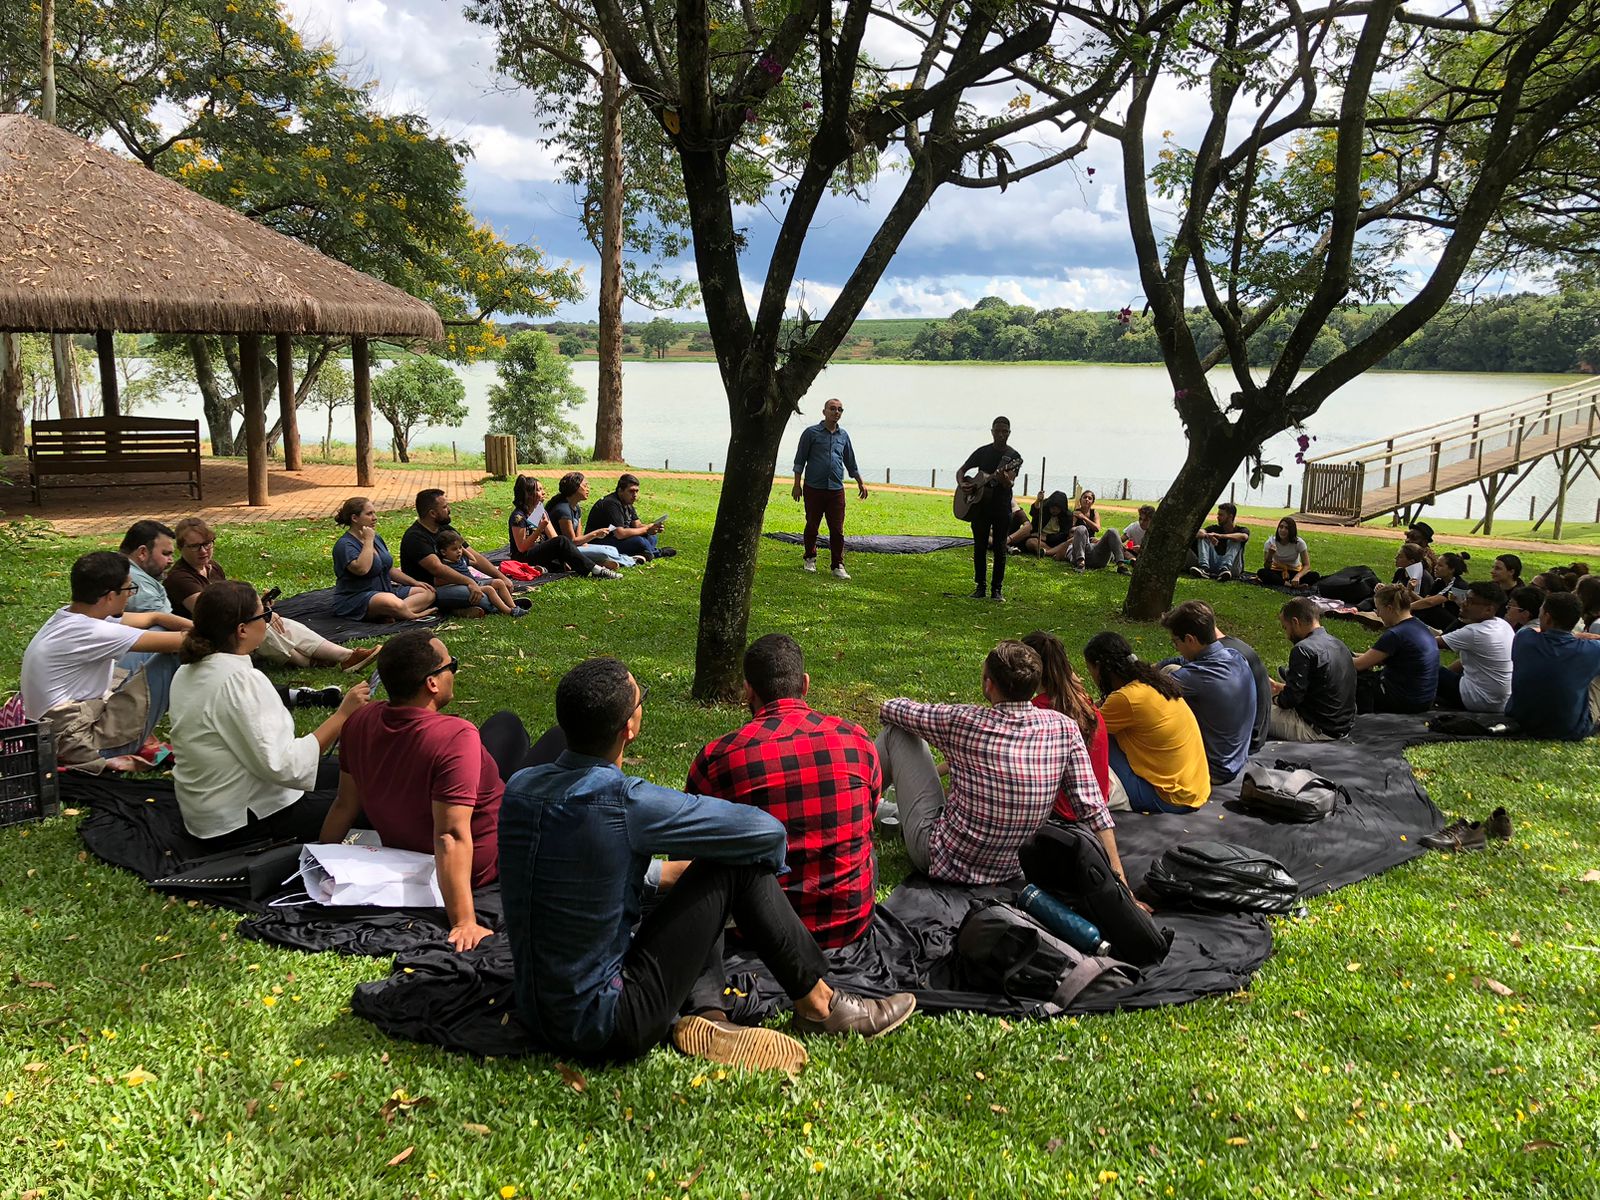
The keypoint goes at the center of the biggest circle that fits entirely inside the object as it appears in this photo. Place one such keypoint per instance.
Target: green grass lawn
(146, 1052)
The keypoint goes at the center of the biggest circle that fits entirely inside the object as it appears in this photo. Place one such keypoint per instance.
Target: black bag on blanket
(1350, 584)
(1068, 861)
(1223, 877)
(1003, 950)
(257, 874)
(1288, 791)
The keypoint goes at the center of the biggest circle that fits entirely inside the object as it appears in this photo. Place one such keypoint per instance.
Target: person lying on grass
(241, 774)
(286, 641)
(98, 676)
(576, 836)
(1008, 761)
(422, 778)
(818, 774)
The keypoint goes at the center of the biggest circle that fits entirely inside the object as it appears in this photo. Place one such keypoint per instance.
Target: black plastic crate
(28, 785)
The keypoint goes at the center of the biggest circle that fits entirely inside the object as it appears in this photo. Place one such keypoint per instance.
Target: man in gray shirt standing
(821, 462)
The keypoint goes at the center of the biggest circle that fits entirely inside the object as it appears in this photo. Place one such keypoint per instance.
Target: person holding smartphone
(629, 534)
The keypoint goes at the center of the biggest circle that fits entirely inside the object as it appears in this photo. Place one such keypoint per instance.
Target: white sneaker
(839, 573)
(606, 573)
(809, 564)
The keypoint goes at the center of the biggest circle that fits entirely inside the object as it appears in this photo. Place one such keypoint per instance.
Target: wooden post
(1042, 461)
(933, 477)
(1469, 506)
(1532, 500)
(107, 349)
(1491, 496)
(886, 474)
(286, 407)
(1288, 498)
(361, 367)
(1025, 490)
(255, 417)
(1561, 487)
(499, 455)
(1232, 489)
(1124, 487)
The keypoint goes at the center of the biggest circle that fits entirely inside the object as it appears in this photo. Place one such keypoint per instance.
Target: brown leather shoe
(1451, 839)
(851, 1013)
(751, 1047)
(1499, 825)
(357, 657)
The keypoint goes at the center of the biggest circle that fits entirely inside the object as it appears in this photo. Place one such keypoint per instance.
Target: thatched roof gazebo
(91, 242)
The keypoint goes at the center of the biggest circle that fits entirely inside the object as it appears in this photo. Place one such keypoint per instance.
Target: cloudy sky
(1058, 239)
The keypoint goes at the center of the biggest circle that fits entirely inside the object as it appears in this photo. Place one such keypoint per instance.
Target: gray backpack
(1289, 792)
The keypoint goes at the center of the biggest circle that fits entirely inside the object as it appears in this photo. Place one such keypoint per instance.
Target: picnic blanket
(881, 543)
(314, 609)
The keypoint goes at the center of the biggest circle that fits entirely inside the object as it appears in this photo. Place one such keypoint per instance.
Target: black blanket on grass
(882, 543)
(315, 611)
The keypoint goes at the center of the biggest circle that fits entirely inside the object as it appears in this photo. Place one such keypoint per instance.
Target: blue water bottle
(1082, 935)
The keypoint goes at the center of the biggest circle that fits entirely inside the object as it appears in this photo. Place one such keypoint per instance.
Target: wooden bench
(116, 447)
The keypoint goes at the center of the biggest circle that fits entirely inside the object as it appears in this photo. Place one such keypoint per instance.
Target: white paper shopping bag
(369, 876)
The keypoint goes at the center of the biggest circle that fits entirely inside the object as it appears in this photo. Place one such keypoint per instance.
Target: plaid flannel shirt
(1007, 764)
(819, 775)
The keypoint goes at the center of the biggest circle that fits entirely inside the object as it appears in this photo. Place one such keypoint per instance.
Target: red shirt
(407, 759)
(819, 775)
(1099, 762)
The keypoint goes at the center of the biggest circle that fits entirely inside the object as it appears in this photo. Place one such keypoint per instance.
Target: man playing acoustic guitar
(984, 499)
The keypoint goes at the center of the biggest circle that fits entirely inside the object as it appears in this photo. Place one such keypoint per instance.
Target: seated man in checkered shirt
(1007, 759)
(816, 774)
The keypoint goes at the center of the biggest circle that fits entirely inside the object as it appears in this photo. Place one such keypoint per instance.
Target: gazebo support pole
(106, 347)
(286, 406)
(361, 365)
(255, 417)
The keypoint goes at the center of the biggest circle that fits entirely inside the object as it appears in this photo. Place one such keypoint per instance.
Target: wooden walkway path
(1494, 451)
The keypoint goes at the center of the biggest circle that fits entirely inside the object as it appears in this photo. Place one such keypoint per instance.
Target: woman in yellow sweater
(1156, 750)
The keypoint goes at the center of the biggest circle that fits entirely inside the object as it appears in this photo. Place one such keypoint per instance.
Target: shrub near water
(149, 1052)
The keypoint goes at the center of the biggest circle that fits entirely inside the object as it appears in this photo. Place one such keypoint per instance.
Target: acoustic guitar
(975, 492)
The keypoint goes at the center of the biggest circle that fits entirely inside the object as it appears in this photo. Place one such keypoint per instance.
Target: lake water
(1102, 424)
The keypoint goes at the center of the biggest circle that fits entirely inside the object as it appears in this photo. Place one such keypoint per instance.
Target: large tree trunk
(608, 405)
(11, 420)
(735, 540)
(1206, 471)
(66, 366)
(218, 411)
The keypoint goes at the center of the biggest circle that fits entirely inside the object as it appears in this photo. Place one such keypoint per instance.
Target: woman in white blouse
(241, 773)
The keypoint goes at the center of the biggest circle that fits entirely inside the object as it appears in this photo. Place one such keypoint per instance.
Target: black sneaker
(327, 697)
(1458, 836)
(997, 596)
(1444, 837)
(1199, 573)
(1498, 825)
(979, 594)
(1224, 576)
(665, 551)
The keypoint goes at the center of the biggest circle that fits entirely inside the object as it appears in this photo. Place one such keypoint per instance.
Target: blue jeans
(603, 555)
(644, 543)
(1142, 797)
(1228, 556)
(158, 672)
(454, 595)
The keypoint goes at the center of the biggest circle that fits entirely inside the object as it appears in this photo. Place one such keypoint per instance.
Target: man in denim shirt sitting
(576, 837)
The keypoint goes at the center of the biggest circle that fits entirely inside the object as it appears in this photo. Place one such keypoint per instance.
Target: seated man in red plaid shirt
(815, 773)
(1007, 760)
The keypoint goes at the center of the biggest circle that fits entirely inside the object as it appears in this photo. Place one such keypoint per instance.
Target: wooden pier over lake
(1495, 451)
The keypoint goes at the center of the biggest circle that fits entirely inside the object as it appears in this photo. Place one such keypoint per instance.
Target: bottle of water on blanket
(1082, 935)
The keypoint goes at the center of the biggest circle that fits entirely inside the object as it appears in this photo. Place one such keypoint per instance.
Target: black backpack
(1223, 877)
(1067, 860)
(1349, 584)
(1288, 791)
(1003, 951)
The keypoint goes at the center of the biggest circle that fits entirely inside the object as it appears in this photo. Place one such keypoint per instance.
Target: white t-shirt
(1485, 650)
(1287, 554)
(72, 657)
(1135, 533)
(235, 746)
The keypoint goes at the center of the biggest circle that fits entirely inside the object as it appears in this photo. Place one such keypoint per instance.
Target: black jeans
(300, 822)
(506, 739)
(989, 532)
(675, 962)
(1375, 695)
(557, 553)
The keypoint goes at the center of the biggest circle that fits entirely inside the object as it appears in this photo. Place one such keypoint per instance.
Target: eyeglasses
(126, 589)
(452, 666)
(198, 545)
(644, 690)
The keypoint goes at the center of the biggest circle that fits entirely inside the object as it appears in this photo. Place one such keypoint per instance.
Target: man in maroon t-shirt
(423, 778)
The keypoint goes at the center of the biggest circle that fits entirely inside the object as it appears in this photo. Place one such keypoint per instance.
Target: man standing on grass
(821, 462)
(994, 468)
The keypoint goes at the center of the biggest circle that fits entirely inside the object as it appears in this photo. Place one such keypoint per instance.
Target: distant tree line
(1554, 332)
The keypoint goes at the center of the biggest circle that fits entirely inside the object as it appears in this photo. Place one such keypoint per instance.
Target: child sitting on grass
(452, 550)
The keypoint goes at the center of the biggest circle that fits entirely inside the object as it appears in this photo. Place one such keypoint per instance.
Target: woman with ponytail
(1400, 674)
(1155, 746)
(1062, 690)
(1441, 606)
(241, 773)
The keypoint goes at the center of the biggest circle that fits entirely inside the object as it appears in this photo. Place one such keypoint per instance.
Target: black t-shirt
(1237, 528)
(988, 459)
(419, 542)
(610, 510)
(561, 509)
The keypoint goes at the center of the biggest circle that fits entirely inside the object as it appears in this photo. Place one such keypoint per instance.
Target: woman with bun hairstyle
(1154, 744)
(1063, 691)
(241, 773)
(1441, 606)
(367, 586)
(1400, 674)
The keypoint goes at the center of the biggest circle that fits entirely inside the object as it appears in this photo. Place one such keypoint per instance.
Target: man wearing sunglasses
(576, 838)
(100, 676)
(422, 777)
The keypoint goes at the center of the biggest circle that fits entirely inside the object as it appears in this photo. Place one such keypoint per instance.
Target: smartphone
(661, 520)
(268, 600)
(373, 682)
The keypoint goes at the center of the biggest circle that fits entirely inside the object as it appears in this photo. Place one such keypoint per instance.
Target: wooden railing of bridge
(1402, 473)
